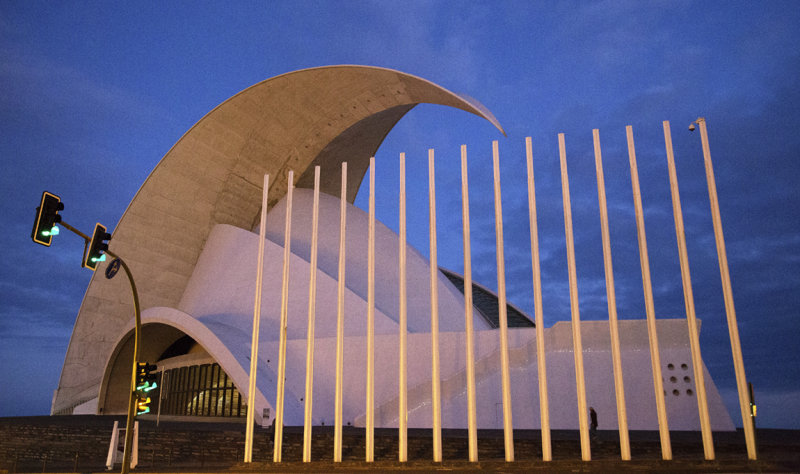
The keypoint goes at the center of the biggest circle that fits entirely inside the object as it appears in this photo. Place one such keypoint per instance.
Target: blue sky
(92, 95)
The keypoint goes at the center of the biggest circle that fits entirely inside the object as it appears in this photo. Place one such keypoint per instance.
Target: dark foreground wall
(80, 443)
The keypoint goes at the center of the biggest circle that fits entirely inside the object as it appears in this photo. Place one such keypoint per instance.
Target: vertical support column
(435, 382)
(472, 425)
(613, 326)
(287, 241)
(655, 358)
(508, 425)
(544, 405)
(577, 344)
(337, 427)
(312, 309)
(403, 382)
(370, 428)
(727, 290)
(251, 387)
(688, 298)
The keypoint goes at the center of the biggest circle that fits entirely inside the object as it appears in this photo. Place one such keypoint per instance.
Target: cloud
(43, 86)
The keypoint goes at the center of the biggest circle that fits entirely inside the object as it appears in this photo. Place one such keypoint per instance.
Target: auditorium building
(191, 236)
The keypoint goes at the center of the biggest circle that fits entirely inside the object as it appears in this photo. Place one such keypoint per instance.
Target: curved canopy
(214, 173)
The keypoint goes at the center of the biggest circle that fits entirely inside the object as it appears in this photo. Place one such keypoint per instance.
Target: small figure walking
(593, 424)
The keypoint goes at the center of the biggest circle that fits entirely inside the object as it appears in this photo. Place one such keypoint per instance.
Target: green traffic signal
(51, 232)
(148, 386)
(44, 227)
(97, 247)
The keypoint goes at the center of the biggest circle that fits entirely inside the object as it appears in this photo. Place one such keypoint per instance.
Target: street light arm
(126, 458)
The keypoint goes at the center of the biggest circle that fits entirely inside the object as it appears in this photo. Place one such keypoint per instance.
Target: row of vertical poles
(508, 425)
(472, 423)
(370, 411)
(577, 344)
(469, 332)
(403, 381)
(312, 299)
(727, 291)
(251, 388)
(644, 261)
(686, 280)
(287, 253)
(337, 430)
(619, 388)
(434, 266)
(544, 411)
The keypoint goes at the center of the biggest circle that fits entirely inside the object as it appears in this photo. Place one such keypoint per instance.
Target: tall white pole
(508, 425)
(613, 326)
(251, 387)
(577, 344)
(544, 405)
(655, 358)
(370, 428)
(688, 298)
(337, 429)
(435, 383)
(287, 240)
(403, 382)
(472, 424)
(312, 303)
(727, 290)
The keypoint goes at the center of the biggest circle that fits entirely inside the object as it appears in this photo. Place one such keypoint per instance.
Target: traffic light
(44, 227)
(145, 382)
(145, 378)
(142, 404)
(97, 247)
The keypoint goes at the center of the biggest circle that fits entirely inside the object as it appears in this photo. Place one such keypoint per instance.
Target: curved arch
(117, 367)
(213, 175)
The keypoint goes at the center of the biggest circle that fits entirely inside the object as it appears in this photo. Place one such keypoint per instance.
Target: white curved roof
(213, 175)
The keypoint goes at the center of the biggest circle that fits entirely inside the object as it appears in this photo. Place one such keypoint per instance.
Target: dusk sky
(92, 95)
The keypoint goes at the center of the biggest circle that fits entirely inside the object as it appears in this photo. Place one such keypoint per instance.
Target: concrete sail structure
(187, 236)
(213, 175)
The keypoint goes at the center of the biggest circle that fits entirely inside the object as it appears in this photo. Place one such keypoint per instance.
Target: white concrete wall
(223, 282)
(222, 289)
(681, 410)
(451, 301)
(220, 296)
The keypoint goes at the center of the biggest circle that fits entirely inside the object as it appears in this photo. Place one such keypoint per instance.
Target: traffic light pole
(126, 457)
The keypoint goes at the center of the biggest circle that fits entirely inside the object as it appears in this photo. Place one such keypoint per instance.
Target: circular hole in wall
(673, 379)
(689, 392)
(671, 366)
(676, 392)
(687, 379)
(684, 367)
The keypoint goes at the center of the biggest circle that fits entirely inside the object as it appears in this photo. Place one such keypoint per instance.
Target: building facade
(190, 238)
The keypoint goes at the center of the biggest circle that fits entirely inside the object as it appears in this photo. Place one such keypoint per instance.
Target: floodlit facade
(191, 239)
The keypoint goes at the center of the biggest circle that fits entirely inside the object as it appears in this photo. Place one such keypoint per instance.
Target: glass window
(201, 390)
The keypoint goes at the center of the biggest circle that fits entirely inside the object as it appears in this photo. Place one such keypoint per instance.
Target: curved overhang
(172, 325)
(214, 173)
